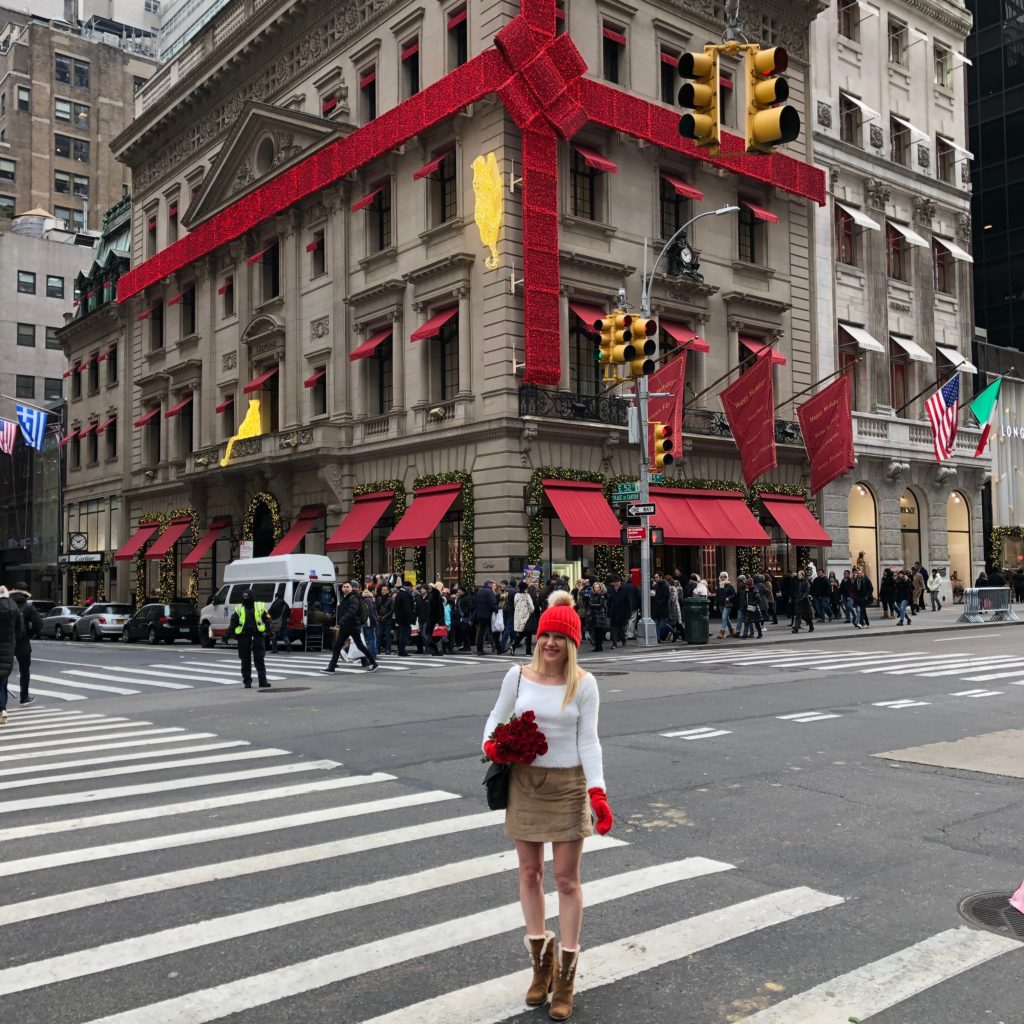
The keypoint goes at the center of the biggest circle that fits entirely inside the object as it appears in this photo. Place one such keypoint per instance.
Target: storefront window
(910, 528)
(444, 552)
(863, 530)
(958, 526)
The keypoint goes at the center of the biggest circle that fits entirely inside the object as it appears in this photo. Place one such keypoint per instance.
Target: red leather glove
(599, 801)
(491, 752)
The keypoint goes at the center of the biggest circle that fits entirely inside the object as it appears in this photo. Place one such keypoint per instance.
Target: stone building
(896, 304)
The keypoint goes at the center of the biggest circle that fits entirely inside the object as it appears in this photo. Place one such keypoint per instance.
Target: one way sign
(641, 510)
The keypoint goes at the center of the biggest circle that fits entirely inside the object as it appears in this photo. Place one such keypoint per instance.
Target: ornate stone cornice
(734, 300)
(393, 286)
(585, 261)
(461, 261)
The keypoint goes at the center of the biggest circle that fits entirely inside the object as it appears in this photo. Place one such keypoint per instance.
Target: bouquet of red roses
(517, 740)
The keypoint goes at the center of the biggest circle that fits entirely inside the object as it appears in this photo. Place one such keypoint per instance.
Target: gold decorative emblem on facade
(487, 188)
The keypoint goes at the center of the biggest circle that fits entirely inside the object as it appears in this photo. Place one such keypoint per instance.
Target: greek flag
(33, 425)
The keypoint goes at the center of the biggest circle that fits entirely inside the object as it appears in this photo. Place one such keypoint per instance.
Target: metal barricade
(979, 600)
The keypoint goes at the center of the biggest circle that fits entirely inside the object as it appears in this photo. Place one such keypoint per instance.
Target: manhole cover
(992, 911)
(284, 689)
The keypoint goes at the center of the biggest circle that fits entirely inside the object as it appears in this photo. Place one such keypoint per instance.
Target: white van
(302, 580)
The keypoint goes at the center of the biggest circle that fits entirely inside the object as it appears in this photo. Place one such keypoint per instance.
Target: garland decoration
(996, 538)
(249, 521)
(168, 565)
(140, 558)
(80, 571)
(398, 506)
(467, 546)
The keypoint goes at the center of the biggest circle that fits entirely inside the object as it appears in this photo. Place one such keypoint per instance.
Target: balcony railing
(568, 405)
(715, 424)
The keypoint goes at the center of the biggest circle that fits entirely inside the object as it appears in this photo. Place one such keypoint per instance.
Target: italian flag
(982, 408)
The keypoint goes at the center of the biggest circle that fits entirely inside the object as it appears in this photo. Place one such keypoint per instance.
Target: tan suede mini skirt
(547, 805)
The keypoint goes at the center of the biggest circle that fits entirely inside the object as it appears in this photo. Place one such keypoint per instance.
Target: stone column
(700, 359)
(419, 392)
(465, 343)
(399, 399)
(565, 371)
(876, 299)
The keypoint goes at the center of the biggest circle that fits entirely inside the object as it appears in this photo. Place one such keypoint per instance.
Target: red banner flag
(671, 378)
(749, 405)
(826, 421)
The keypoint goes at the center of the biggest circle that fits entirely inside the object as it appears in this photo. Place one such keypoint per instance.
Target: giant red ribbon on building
(538, 76)
(826, 421)
(671, 378)
(749, 404)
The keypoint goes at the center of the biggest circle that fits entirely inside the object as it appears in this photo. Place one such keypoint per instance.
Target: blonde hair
(573, 672)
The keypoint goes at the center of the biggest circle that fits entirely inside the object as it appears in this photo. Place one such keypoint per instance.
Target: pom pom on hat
(561, 617)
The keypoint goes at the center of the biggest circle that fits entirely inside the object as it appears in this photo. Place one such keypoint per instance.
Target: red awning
(682, 188)
(316, 242)
(457, 19)
(257, 382)
(171, 535)
(432, 165)
(86, 431)
(147, 313)
(64, 440)
(362, 204)
(613, 35)
(595, 160)
(208, 539)
(67, 373)
(103, 426)
(172, 210)
(367, 79)
(134, 543)
(147, 416)
(257, 257)
(588, 314)
(227, 286)
(371, 345)
(410, 51)
(670, 59)
(584, 512)
(685, 336)
(328, 104)
(151, 224)
(229, 400)
(178, 406)
(311, 380)
(757, 347)
(433, 326)
(724, 83)
(361, 519)
(302, 524)
(428, 508)
(795, 518)
(697, 517)
(760, 212)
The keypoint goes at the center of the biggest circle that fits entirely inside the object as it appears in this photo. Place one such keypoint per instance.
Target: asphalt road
(176, 849)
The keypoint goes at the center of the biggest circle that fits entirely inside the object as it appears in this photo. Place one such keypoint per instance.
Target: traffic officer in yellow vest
(249, 627)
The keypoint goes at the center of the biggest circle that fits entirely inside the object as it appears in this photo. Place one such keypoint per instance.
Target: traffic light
(769, 122)
(615, 343)
(644, 347)
(661, 446)
(606, 325)
(701, 95)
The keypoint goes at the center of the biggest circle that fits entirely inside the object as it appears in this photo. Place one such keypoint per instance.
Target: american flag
(8, 432)
(942, 410)
(33, 425)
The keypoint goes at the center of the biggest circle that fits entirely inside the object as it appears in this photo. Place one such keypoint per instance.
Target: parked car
(57, 622)
(101, 620)
(43, 607)
(175, 620)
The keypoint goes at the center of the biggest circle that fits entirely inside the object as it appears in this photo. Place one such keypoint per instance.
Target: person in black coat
(467, 625)
(659, 605)
(485, 604)
(802, 604)
(249, 624)
(385, 618)
(32, 621)
(351, 612)
(435, 617)
(10, 628)
(620, 607)
(405, 616)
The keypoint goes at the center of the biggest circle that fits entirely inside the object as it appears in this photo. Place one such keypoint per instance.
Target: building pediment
(262, 326)
(265, 141)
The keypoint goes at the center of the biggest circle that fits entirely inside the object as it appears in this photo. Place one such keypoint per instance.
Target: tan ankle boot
(542, 954)
(564, 979)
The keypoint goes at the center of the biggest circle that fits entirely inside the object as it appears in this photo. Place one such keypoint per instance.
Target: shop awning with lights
(795, 518)
(371, 345)
(704, 518)
(173, 532)
(432, 328)
(757, 346)
(589, 315)
(911, 347)
(961, 362)
(257, 382)
(133, 545)
(682, 188)
(759, 212)
(687, 338)
(213, 533)
(595, 160)
(859, 217)
(301, 525)
(147, 416)
(429, 506)
(584, 511)
(184, 401)
(864, 341)
(361, 519)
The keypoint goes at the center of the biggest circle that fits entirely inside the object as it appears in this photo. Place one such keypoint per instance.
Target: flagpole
(27, 405)
(1000, 377)
(938, 383)
(834, 373)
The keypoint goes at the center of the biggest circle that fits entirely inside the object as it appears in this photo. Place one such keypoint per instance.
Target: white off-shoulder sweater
(571, 732)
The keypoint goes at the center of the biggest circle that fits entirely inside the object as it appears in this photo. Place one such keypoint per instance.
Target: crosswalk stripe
(899, 705)
(98, 742)
(251, 922)
(216, 674)
(46, 780)
(808, 716)
(868, 990)
(260, 826)
(705, 733)
(134, 756)
(81, 686)
(38, 730)
(978, 693)
(57, 696)
(261, 989)
(31, 718)
(296, 675)
(129, 678)
(258, 864)
(191, 806)
(945, 667)
(92, 796)
(500, 998)
(997, 675)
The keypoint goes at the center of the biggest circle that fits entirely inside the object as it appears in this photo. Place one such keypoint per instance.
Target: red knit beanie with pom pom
(560, 617)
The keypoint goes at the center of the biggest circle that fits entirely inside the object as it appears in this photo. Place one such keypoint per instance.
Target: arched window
(863, 530)
(958, 525)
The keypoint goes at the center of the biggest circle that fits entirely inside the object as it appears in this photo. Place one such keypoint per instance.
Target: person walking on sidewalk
(249, 624)
(548, 799)
(32, 622)
(352, 616)
(725, 598)
(802, 604)
(917, 592)
(485, 604)
(11, 626)
(864, 593)
(933, 586)
(904, 594)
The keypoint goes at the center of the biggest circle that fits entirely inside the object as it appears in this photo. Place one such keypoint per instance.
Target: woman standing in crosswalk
(547, 799)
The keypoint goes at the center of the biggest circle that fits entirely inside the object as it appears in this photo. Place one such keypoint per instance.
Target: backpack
(364, 612)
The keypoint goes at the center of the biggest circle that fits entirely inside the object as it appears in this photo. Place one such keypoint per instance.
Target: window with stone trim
(26, 335)
(586, 200)
(899, 141)
(943, 269)
(897, 35)
(945, 160)
(849, 121)
(897, 255)
(584, 364)
(458, 37)
(847, 238)
(942, 64)
(383, 370)
(448, 360)
(849, 19)
(443, 191)
(613, 53)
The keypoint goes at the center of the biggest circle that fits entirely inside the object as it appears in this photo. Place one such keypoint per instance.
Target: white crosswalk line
(802, 717)
(38, 730)
(251, 922)
(500, 998)
(978, 693)
(704, 733)
(57, 696)
(75, 685)
(95, 795)
(169, 734)
(134, 756)
(260, 826)
(868, 990)
(217, 674)
(258, 864)
(997, 675)
(899, 705)
(135, 769)
(25, 718)
(261, 989)
(128, 677)
(190, 806)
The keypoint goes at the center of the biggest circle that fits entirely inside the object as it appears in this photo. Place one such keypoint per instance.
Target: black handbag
(497, 775)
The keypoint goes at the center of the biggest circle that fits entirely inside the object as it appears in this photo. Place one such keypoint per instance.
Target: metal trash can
(696, 619)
